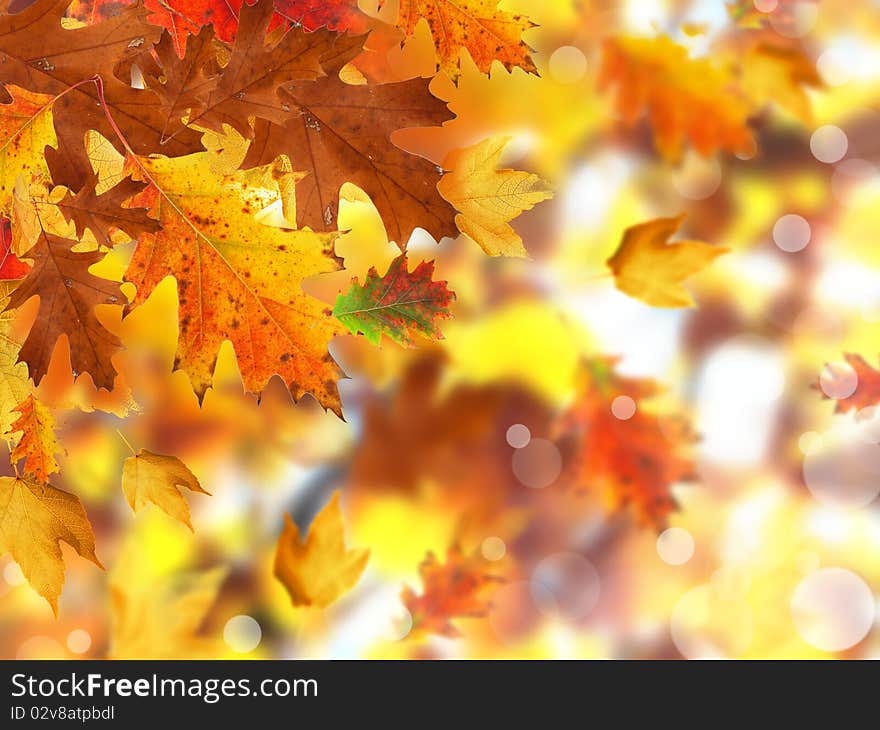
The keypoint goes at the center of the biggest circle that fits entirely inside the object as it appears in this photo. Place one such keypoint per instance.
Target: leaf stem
(125, 441)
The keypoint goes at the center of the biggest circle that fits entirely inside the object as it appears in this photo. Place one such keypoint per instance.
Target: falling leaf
(688, 100)
(400, 305)
(647, 267)
(459, 588)
(237, 279)
(37, 444)
(157, 478)
(867, 391)
(161, 619)
(780, 75)
(488, 198)
(478, 26)
(34, 519)
(630, 462)
(317, 571)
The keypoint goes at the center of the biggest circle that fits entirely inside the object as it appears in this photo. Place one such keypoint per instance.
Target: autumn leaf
(103, 214)
(37, 444)
(15, 384)
(11, 267)
(780, 75)
(161, 619)
(477, 26)
(338, 132)
(340, 15)
(459, 588)
(488, 198)
(687, 100)
(317, 571)
(157, 478)
(68, 295)
(631, 462)
(44, 57)
(25, 130)
(649, 268)
(867, 391)
(34, 519)
(400, 305)
(237, 279)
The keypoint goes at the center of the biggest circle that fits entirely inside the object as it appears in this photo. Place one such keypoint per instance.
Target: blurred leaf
(646, 266)
(317, 571)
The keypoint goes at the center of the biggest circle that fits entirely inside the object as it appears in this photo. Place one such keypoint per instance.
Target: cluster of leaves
(209, 142)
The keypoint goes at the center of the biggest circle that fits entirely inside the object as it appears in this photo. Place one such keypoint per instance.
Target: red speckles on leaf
(11, 267)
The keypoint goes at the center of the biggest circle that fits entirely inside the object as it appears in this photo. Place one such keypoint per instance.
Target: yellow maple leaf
(319, 570)
(37, 444)
(157, 478)
(487, 198)
(161, 620)
(647, 267)
(34, 518)
(779, 75)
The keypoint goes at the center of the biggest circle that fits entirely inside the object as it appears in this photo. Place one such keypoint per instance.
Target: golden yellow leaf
(34, 518)
(157, 478)
(779, 75)
(487, 198)
(161, 620)
(37, 444)
(26, 129)
(647, 267)
(318, 570)
(15, 382)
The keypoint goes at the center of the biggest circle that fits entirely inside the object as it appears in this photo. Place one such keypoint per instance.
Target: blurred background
(491, 449)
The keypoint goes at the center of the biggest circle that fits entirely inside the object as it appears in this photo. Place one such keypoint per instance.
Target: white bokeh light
(675, 546)
(537, 464)
(833, 609)
(567, 64)
(572, 581)
(79, 641)
(791, 233)
(623, 407)
(518, 436)
(242, 634)
(829, 144)
(838, 380)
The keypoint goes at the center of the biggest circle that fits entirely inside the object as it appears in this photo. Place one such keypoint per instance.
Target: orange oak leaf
(622, 451)
(68, 295)
(37, 444)
(867, 392)
(318, 570)
(34, 519)
(461, 587)
(237, 279)
(478, 26)
(687, 100)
